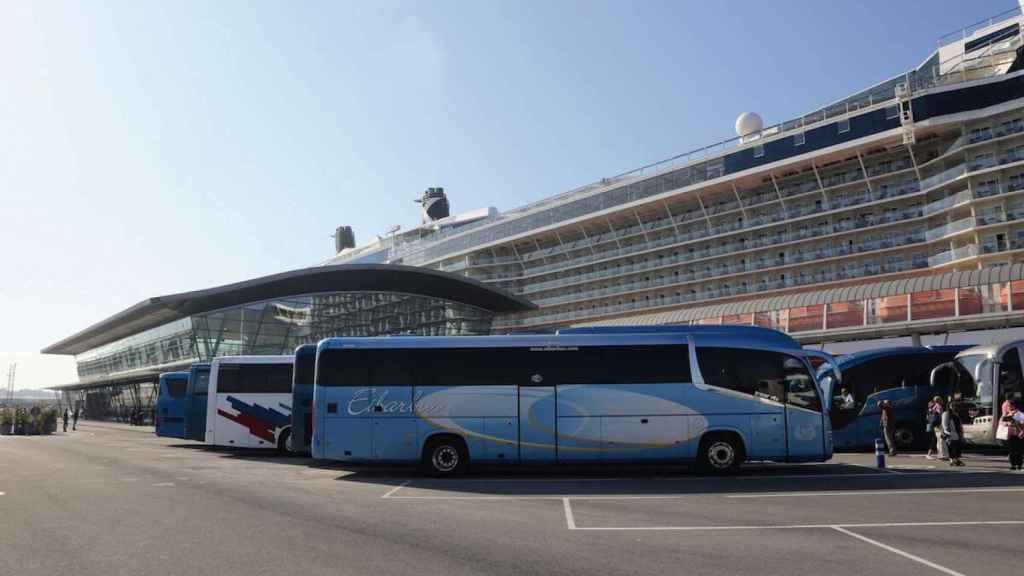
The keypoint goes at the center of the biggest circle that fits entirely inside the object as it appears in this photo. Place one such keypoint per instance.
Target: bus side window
(754, 372)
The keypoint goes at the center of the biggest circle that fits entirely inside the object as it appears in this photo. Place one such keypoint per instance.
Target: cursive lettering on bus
(362, 402)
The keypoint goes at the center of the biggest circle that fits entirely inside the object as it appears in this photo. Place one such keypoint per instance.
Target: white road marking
(894, 550)
(129, 479)
(913, 467)
(802, 526)
(163, 484)
(1, 493)
(396, 489)
(570, 521)
(872, 492)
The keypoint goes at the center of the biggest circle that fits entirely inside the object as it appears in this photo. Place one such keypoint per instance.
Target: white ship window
(844, 125)
(799, 138)
(758, 151)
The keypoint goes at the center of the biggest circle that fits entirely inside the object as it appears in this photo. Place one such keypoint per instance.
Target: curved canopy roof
(160, 310)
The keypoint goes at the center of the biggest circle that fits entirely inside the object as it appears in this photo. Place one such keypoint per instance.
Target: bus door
(537, 421)
(195, 423)
(804, 424)
(394, 427)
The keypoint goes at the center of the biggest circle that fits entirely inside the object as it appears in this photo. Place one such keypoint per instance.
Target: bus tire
(282, 441)
(720, 453)
(445, 456)
(905, 437)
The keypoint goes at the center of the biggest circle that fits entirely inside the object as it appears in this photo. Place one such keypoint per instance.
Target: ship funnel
(435, 205)
(344, 238)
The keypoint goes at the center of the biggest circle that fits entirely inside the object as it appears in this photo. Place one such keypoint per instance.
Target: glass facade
(169, 344)
(278, 326)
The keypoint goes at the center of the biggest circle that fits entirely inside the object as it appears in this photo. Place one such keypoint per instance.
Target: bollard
(879, 453)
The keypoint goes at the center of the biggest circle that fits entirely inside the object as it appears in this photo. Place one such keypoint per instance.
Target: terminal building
(895, 213)
(120, 358)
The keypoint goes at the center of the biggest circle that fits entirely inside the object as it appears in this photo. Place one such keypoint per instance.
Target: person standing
(953, 433)
(74, 424)
(939, 406)
(932, 420)
(66, 415)
(888, 424)
(1014, 421)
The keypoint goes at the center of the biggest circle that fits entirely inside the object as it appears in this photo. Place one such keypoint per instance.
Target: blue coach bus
(903, 376)
(300, 436)
(195, 420)
(171, 405)
(716, 398)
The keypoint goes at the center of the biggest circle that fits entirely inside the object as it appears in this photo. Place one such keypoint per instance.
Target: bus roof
(284, 359)
(856, 358)
(990, 350)
(174, 376)
(663, 337)
(305, 350)
(777, 338)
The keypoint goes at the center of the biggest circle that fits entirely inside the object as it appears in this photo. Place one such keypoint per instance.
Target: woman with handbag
(953, 433)
(1012, 426)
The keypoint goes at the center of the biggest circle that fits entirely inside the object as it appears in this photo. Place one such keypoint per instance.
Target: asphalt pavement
(111, 499)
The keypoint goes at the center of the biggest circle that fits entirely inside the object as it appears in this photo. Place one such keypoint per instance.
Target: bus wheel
(904, 437)
(445, 456)
(282, 441)
(721, 453)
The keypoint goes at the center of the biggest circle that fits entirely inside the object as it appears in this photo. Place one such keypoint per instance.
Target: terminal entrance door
(537, 421)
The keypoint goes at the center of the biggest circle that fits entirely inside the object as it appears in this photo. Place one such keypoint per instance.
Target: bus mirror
(827, 385)
(933, 378)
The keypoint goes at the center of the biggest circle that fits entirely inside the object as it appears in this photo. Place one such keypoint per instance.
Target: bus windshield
(974, 382)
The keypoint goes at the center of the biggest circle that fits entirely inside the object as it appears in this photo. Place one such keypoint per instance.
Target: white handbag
(1003, 432)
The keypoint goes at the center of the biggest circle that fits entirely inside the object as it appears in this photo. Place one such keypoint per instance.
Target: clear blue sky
(154, 147)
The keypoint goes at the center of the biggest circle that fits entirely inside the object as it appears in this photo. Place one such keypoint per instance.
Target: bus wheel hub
(721, 454)
(446, 458)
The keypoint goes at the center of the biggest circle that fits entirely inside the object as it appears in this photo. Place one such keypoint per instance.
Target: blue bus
(171, 405)
(903, 376)
(300, 436)
(195, 421)
(714, 398)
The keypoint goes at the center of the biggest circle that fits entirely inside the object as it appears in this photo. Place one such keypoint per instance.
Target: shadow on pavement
(559, 481)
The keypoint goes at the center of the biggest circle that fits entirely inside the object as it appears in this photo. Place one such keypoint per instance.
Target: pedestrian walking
(1013, 420)
(953, 433)
(74, 424)
(66, 415)
(888, 425)
(932, 421)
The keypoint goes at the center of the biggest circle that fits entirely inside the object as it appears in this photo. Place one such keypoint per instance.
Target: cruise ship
(897, 211)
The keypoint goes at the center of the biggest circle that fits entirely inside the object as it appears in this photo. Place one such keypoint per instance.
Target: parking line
(396, 489)
(570, 521)
(894, 550)
(869, 467)
(800, 526)
(872, 492)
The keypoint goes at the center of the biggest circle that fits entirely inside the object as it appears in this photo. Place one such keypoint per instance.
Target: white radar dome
(748, 123)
